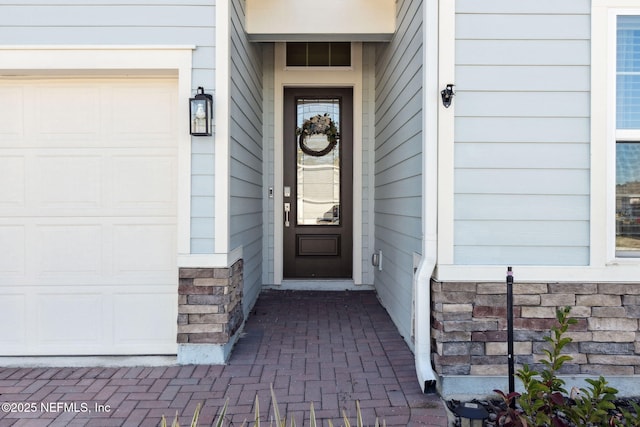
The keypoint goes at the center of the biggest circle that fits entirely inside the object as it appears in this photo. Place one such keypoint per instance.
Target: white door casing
(318, 77)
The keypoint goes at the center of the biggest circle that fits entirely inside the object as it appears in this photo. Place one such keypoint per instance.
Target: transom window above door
(318, 54)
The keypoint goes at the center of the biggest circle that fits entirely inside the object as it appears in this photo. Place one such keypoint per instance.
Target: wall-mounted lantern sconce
(200, 113)
(447, 95)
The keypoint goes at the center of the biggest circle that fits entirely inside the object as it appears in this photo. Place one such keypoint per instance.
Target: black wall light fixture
(447, 95)
(200, 113)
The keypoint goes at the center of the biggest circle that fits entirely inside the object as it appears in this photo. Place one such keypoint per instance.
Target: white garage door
(88, 172)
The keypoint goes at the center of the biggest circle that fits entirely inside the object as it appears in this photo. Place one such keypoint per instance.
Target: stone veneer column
(209, 313)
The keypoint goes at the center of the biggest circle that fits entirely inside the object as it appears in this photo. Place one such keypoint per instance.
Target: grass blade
(256, 419)
(312, 416)
(196, 415)
(223, 412)
(276, 410)
(346, 420)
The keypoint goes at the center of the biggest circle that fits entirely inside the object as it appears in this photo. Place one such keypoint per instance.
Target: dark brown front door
(318, 190)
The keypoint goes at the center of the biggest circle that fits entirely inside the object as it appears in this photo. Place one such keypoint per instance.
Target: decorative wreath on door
(318, 125)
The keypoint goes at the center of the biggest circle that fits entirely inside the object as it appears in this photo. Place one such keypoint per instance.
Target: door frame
(349, 77)
(296, 265)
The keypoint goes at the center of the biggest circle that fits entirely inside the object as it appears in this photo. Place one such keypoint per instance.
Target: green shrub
(544, 402)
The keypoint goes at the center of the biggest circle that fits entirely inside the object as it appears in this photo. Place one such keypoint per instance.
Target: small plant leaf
(196, 415)
(256, 412)
(312, 416)
(223, 412)
(346, 420)
(276, 410)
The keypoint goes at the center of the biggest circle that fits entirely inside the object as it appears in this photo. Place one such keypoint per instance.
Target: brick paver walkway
(330, 348)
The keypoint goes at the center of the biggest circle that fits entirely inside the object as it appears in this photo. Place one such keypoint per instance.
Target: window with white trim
(627, 125)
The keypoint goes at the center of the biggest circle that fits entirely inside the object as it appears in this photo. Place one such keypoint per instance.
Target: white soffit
(313, 20)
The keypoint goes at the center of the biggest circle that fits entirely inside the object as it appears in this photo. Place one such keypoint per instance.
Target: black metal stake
(510, 330)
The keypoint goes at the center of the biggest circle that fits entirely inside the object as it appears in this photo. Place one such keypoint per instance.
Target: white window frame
(604, 135)
(620, 135)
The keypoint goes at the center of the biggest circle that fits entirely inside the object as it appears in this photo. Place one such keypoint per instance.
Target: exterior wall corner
(210, 313)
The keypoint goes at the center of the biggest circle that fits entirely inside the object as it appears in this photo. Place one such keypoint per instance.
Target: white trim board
(603, 263)
(319, 285)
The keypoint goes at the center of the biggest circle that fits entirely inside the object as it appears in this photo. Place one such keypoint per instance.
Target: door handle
(287, 209)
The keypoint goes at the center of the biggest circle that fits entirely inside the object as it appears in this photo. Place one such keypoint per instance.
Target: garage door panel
(111, 182)
(61, 320)
(12, 181)
(144, 182)
(150, 120)
(70, 319)
(12, 250)
(141, 250)
(88, 206)
(11, 114)
(68, 181)
(13, 312)
(135, 316)
(70, 250)
(67, 111)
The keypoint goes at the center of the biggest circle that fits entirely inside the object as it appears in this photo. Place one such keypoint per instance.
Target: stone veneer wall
(469, 326)
(209, 304)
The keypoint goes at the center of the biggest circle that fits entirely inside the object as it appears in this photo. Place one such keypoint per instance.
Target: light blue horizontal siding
(522, 26)
(548, 7)
(105, 2)
(522, 155)
(202, 196)
(268, 102)
(522, 132)
(106, 35)
(115, 14)
(524, 207)
(522, 52)
(398, 162)
(246, 156)
(368, 159)
(522, 104)
(519, 78)
(122, 22)
(534, 233)
(522, 129)
(522, 181)
(521, 255)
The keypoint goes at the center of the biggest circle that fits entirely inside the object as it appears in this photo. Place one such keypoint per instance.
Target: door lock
(287, 209)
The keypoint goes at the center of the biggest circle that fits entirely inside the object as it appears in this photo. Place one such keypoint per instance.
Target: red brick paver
(329, 348)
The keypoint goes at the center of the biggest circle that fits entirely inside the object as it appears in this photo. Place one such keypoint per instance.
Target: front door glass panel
(318, 162)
